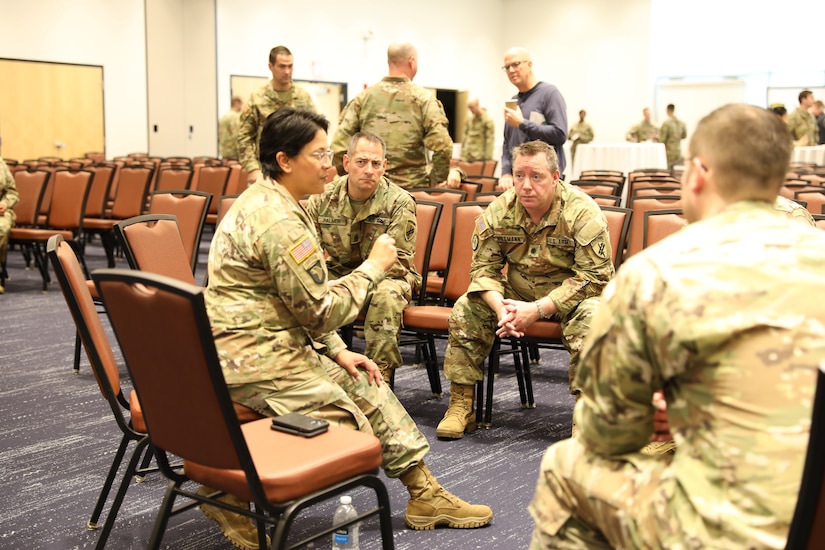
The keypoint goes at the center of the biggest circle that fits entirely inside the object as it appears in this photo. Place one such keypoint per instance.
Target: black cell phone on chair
(299, 424)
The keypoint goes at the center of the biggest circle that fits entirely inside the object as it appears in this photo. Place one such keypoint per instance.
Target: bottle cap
(346, 499)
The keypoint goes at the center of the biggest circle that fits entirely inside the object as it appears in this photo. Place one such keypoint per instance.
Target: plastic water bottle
(345, 538)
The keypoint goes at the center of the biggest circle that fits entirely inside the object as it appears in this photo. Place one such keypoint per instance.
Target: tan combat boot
(431, 504)
(238, 528)
(460, 416)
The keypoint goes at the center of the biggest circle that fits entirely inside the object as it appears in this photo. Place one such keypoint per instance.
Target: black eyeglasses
(513, 65)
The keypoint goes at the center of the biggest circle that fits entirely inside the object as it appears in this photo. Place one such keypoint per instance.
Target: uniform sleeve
(593, 267)
(348, 125)
(488, 258)
(586, 135)
(437, 139)
(664, 132)
(248, 137)
(634, 131)
(554, 128)
(404, 229)
(617, 371)
(8, 189)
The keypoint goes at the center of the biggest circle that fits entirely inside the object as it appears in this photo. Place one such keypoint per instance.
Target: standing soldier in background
(408, 118)
(643, 131)
(580, 132)
(479, 133)
(801, 123)
(8, 198)
(351, 213)
(228, 128)
(280, 92)
(672, 133)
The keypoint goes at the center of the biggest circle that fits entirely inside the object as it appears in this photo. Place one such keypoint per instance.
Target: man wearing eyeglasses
(349, 216)
(541, 113)
(720, 318)
(278, 93)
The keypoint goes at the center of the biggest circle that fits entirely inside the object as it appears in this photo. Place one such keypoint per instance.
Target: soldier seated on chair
(554, 240)
(349, 215)
(8, 198)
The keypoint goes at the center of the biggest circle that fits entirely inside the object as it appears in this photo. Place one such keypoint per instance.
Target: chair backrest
(807, 528)
(598, 187)
(489, 168)
(470, 188)
(69, 195)
(488, 183)
(819, 220)
(618, 224)
(225, 203)
(190, 208)
(464, 217)
(72, 283)
(603, 200)
(132, 190)
(153, 243)
(175, 178)
(475, 168)
(814, 199)
(488, 196)
(658, 224)
(427, 214)
(166, 341)
(790, 189)
(440, 254)
(657, 190)
(640, 205)
(31, 186)
(213, 180)
(104, 173)
(237, 180)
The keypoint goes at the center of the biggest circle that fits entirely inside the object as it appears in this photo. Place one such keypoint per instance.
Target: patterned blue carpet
(57, 439)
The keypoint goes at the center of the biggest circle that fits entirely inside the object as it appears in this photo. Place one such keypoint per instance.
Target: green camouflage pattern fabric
(643, 131)
(228, 128)
(583, 132)
(274, 312)
(9, 197)
(410, 120)
(479, 135)
(720, 317)
(794, 210)
(567, 256)
(260, 105)
(672, 133)
(347, 235)
(801, 123)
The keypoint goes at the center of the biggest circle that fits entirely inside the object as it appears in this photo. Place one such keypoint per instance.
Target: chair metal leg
(163, 516)
(431, 363)
(107, 485)
(77, 344)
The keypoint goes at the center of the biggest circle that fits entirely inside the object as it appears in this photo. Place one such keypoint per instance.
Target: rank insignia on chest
(316, 271)
(302, 250)
(534, 250)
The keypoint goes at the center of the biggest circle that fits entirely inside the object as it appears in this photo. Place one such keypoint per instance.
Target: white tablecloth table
(814, 154)
(625, 157)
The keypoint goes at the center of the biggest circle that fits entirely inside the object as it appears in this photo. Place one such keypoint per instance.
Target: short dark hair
(276, 51)
(779, 110)
(287, 131)
(803, 94)
(369, 137)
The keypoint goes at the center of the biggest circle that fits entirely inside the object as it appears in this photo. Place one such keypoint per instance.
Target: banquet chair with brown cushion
(280, 473)
(125, 408)
(659, 224)
(598, 187)
(190, 207)
(213, 180)
(640, 205)
(31, 186)
(814, 199)
(225, 202)
(153, 243)
(173, 178)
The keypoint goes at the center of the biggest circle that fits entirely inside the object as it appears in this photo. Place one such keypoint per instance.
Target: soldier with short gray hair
(554, 242)
(720, 318)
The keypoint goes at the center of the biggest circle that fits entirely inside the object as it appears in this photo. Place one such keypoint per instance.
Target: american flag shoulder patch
(302, 250)
(481, 225)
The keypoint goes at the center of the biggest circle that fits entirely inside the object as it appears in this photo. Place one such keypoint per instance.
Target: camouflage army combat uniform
(479, 135)
(567, 256)
(273, 314)
(9, 197)
(801, 123)
(793, 210)
(410, 120)
(672, 133)
(347, 232)
(583, 133)
(228, 128)
(709, 317)
(261, 104)
(643, 131)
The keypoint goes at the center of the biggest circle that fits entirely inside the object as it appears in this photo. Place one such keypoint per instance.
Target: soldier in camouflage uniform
(479, 134)
(8, 198)
(709, 317)
(793, 210)
(801, 123)
(554, 241)
(408, 118)
(349, 215)
(643, 131)
(672, 133)
(228, 128)
(274, 314)
(280, 92)
(580, 132)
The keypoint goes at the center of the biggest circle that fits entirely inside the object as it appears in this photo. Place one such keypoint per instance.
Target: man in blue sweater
(541, 113)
